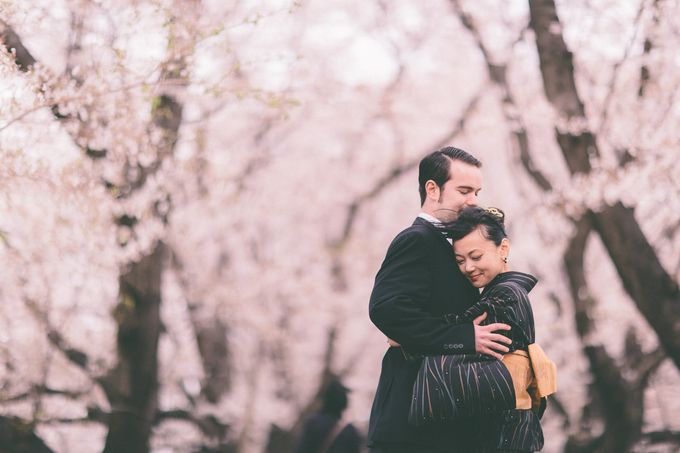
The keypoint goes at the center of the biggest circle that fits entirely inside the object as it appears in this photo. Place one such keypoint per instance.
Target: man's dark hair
(435, 166)
(491, 222)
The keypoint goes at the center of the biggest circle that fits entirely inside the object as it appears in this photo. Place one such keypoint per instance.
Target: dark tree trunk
(617, 400)
(652, 289)
(211, 337)
(17, 436)
(132, 386)
(655, 292)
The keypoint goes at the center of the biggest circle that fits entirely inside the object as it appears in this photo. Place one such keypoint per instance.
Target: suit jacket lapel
(433, 229)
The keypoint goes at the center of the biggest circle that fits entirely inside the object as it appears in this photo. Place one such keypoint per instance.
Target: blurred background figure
(326, 431)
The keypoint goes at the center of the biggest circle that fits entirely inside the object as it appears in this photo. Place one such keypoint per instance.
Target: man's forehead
(463, 174)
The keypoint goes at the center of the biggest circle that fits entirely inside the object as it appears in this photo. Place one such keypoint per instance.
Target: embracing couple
(463, 373)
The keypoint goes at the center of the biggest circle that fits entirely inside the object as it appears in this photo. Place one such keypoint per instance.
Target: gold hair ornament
(496, 213)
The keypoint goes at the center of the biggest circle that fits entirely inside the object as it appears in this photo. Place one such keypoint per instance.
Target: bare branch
(497, 73)
(208, 424)
(393, 174)
(73, 355)
(648, 365)
(659, 437)
(604, 117)
(44, 390)
(645, 72)
(211, 337)
(94, 414)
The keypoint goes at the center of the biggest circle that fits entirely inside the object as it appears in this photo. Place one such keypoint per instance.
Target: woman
(481, 247)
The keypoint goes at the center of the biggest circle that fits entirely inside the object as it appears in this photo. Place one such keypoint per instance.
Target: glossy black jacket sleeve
(498, 305)
(397, 306)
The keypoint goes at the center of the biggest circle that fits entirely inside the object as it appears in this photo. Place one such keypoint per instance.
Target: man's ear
(432, 190)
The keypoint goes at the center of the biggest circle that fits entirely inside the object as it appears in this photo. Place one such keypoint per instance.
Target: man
(416, 285)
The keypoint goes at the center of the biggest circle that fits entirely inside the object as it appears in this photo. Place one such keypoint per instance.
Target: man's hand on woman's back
(490, 343)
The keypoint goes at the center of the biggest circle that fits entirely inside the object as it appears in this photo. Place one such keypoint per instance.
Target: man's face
(459, 192)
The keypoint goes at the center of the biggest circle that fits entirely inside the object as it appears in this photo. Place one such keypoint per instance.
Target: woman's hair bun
(490, 219)
(497, 213)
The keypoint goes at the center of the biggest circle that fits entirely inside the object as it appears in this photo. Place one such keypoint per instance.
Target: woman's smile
(473, 277)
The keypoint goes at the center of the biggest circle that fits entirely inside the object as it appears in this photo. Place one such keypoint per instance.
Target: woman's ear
(432, 190)
(505, 247)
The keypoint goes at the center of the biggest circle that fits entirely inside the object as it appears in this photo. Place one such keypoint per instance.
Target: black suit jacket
(417, 284)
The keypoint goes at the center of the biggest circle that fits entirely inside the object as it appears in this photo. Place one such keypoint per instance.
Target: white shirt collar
(434, 221)
(430, 218)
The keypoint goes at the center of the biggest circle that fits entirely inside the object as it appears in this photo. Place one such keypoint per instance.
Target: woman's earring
(505, 259)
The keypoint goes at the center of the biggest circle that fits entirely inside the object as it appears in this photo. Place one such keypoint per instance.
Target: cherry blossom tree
(196, 196)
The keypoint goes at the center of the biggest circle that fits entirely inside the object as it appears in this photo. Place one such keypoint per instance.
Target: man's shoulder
(419, 229)
(415, 235)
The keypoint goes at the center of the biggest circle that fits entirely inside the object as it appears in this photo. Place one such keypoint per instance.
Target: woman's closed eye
(476, 258)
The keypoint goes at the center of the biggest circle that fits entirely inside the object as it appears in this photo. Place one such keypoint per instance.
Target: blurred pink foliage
(291, 168)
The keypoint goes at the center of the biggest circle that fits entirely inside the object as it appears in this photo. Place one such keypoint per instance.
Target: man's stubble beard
(450, 215)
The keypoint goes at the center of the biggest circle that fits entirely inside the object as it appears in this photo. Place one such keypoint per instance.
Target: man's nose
(471, 200)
